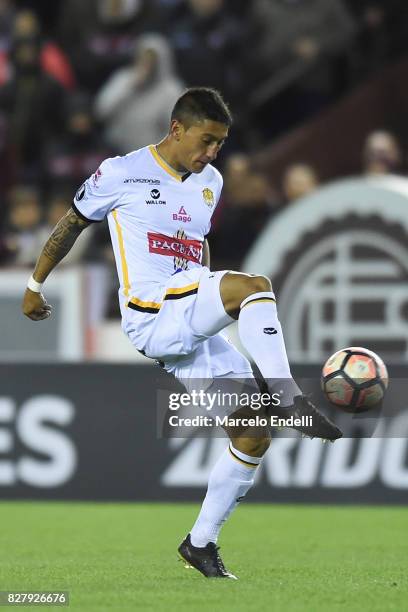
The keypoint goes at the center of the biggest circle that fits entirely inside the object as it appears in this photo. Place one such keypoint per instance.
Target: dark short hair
(201, 103)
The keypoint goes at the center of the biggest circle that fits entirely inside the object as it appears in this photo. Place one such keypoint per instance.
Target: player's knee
(260, 283)
(261, 446)
(253, 283)
(236, 287)
(254, 446)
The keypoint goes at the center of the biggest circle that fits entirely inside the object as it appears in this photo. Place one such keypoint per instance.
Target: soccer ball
(355, 379)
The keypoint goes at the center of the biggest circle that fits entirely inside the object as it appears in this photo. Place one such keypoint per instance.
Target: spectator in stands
(6, 174)
(23, 236)
(99, 35)
(26, 231)
(7, 12)
(79, 150)
(298, 44)
(382, 33)
(210, 45)
(372, 46)
(134, 104)
(299, 180)
(47, 13)
(248, 203)
(57, 206)
(382, 154)
(53, 60)
(31, 105)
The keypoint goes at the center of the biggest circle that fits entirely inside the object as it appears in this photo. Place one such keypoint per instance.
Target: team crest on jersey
(208, 197)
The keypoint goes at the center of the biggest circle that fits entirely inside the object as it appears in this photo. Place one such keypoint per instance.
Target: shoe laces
(214, 550)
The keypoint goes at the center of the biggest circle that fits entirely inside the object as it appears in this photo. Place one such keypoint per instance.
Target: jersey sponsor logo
(173, 246)
(155, 194)
(144, 181)
(182, 215)
(208, 196)
(162, 202)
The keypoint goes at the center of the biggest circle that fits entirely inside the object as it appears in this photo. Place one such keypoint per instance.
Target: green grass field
(123, 557)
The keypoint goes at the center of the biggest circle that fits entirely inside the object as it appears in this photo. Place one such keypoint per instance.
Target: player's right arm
(57, 246)
(93, 201)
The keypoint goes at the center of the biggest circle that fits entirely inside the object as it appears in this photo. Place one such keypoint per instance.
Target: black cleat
(206, 560)
(317, 426)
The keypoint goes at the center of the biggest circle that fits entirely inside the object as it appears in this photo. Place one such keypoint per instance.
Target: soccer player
(159, 201)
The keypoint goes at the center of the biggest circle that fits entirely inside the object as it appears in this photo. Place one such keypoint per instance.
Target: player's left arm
(205, 261)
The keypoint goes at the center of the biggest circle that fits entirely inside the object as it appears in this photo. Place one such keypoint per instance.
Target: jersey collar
(179, 177)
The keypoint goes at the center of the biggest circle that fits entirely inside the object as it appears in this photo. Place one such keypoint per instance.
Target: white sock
(230, 479)
(261, 334)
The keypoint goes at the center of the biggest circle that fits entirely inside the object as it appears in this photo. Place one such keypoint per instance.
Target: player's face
(200, 144)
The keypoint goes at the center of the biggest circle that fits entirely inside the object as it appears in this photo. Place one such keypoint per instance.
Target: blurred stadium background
(315, 196)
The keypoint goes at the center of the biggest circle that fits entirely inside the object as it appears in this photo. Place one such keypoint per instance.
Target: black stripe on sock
(242, 460)
(268, 299)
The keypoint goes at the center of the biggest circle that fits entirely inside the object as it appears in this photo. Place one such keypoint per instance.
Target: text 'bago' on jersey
(158, 219)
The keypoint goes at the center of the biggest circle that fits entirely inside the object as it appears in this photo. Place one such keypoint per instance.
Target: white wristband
(33, 285)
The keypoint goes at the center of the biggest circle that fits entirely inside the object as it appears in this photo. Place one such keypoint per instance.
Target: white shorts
(185, 333)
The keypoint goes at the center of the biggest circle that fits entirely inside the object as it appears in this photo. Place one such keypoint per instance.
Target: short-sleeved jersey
(158, 219)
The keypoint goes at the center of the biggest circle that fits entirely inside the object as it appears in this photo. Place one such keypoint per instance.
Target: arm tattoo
(64, 235)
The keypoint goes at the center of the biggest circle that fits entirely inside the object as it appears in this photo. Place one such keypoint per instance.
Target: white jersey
(158, 219)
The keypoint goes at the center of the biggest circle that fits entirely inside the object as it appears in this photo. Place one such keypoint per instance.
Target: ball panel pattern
(354, 379)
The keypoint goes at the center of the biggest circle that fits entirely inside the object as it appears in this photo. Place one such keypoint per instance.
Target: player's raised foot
(206, 560)
(316, 426)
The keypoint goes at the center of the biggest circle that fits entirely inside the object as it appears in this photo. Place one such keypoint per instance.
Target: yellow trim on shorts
(178, 290)
(135, 300)
(164, 165)
(154, 307)
(125, 269)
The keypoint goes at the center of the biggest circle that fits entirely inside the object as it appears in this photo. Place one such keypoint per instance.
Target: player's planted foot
(319, 426)
(206, 560)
